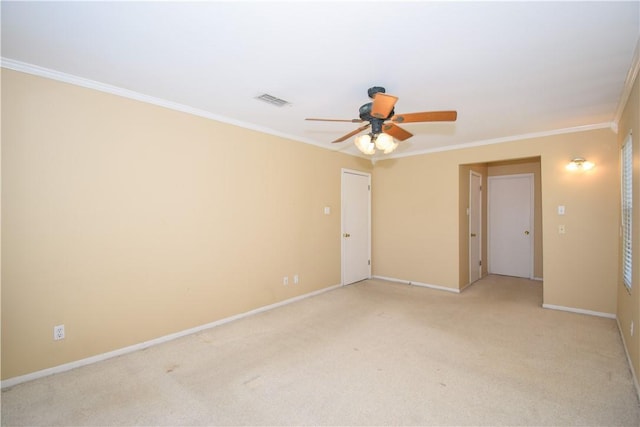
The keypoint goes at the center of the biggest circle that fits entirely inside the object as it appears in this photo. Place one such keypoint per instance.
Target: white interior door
(475, 226)
(356, 226)
(510, 223)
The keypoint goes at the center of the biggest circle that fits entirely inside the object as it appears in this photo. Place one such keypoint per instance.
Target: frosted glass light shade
(579, 164)
(391, 148)
(367, 144)
(364, 144)
(384, 142)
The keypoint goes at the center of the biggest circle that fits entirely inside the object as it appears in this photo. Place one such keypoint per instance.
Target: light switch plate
(561, 210)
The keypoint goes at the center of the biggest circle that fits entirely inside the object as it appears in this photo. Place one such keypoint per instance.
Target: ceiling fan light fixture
(391, 149)
(365, 144)
(368, 143)
(384, 142)
(383, 130)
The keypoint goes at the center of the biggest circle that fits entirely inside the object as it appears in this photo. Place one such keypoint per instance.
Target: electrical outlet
(58, 332)
(285, 281)
(295, 279)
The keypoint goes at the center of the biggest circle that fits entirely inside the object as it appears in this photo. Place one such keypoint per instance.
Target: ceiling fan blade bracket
(396, 131)
(383, 104)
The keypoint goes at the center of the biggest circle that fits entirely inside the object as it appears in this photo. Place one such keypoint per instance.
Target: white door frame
(531, 178)
(479, 231)
(345, 171)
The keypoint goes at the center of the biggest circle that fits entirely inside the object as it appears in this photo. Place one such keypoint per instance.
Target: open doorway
(531, 165)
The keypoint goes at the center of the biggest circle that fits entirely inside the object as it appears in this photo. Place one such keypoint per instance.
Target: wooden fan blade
(337, 120)
(427, 116)
(396, 131)
(350, 134)
(383, 105)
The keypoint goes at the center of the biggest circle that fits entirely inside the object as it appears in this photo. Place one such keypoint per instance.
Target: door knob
(526, 232)
(473, 234)
(347, 235)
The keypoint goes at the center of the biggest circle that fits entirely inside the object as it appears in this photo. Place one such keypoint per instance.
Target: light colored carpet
(373, 353)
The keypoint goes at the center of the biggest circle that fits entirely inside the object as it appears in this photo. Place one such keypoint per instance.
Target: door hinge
(369, 262)
(480, 262)
(369, 187)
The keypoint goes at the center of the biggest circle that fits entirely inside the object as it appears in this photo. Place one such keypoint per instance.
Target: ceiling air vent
(270, 99)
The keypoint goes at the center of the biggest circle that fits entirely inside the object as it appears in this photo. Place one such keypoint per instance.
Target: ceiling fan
(381, 118)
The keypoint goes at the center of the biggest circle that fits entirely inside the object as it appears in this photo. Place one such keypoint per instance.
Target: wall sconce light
(579, 163)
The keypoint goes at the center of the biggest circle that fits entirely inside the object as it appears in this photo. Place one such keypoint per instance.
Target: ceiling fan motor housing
(365, 113)
(376, 126)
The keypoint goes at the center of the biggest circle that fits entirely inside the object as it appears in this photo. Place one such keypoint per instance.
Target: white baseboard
(610, 316)
(10, 382)
(424, 285)
(633, 372)
(579, 311)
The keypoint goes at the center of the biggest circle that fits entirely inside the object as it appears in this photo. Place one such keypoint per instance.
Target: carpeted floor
(372, 353)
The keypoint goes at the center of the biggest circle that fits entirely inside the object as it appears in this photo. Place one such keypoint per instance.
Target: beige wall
(126, 221)
(415, 219)
(629, 303)
(416, 216)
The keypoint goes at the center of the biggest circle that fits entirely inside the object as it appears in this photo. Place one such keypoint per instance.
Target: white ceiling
(509, 68)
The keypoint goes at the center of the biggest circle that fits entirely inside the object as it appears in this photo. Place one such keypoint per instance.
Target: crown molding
(512, 138)
(632, 74)
(126, 93)
(130, 94)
